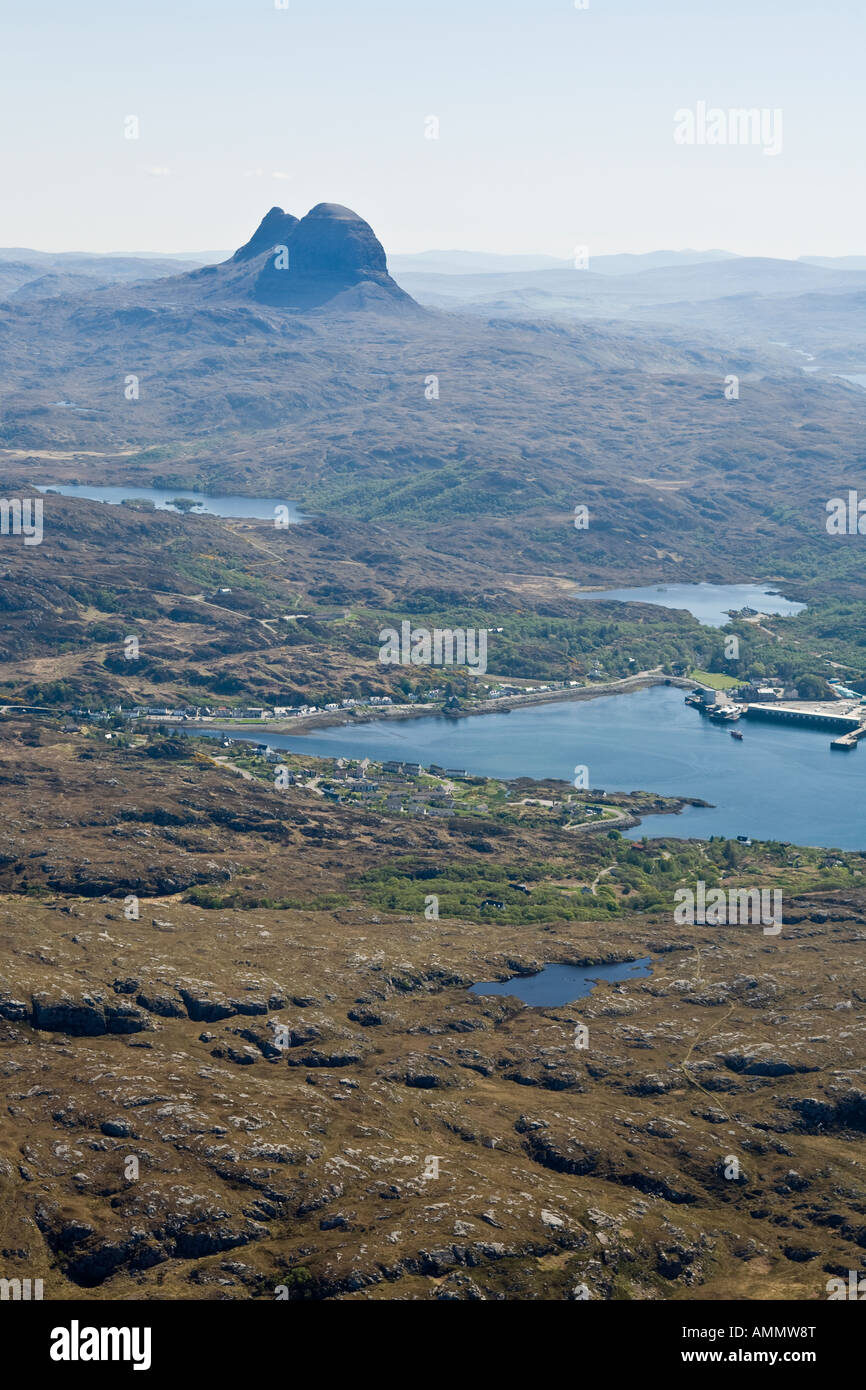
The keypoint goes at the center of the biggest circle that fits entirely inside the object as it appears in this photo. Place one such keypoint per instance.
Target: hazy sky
(556, 125)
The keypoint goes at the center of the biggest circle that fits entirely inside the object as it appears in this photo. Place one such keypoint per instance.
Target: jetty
(823, 714)
(850, 739)
(848, 717)
(845, 717)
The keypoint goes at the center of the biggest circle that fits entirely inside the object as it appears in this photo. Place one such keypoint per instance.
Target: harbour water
(781, 782)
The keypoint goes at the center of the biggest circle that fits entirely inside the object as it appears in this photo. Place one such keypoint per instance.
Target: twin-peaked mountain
(330, 257)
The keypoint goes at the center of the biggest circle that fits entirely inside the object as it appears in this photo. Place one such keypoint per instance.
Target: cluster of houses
(351, 783)
(337, 705)
(183, 712)
(394, 783)
(208, 713)
(415, 770)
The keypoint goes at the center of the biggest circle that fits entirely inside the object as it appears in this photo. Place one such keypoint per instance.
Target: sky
(555, 124)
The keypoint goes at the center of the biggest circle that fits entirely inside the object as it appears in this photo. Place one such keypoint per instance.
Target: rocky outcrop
(203, 1007)
(87, 1016)
(840, 1109)
(763, 1061)
(564, 1153)
(12, 1009)
(163, 1004)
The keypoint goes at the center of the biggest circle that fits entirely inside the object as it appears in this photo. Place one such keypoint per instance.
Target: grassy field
(715, 679)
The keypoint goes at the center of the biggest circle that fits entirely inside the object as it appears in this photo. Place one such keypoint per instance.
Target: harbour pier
(822, 714)
(845, 717)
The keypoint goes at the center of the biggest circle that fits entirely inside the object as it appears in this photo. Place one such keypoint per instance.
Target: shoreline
(323, 720)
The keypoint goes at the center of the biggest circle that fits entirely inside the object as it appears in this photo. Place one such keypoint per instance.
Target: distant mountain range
(626, 263)
(483, 262)
(754, 301)
(22, 265)
(43, 275)
(333, 261)
(596, 295)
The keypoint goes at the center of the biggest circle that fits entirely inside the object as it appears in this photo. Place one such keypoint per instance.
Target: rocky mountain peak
(332, 252)
(275, 229)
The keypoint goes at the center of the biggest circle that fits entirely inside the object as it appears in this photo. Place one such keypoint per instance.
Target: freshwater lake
(206, 504)
(782, 782)
(560, 984)
(709, 603)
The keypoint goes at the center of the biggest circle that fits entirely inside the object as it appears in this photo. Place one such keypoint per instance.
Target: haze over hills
(592, 293)
(323, 381)
(44, 274)
(622, 263)
(752, 301)
(837, 262)
(813, 305)
(483, 262)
